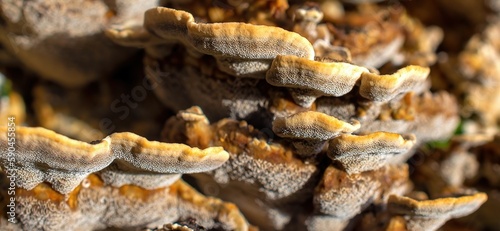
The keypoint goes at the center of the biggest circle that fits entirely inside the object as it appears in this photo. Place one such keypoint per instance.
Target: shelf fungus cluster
(122, 181)
(269, 179)
(468, 162)
(265, 115)
(224, 90)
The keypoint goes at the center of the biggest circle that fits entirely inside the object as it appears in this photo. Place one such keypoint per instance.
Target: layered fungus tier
(250, 115)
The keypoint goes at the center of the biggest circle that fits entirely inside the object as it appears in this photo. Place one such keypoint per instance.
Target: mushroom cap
(232, 39)
(368, 152)
(449, 207)
(43, 155)
(312, 125)
(266, 166)
(317, 78)
(382, 88)
(431, 214)
(420, 114)
(241, 49)
(164, 157)
(327, 78)
(167, 23)
(247, 41)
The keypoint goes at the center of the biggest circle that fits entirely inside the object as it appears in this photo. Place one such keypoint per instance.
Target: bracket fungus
(380, 88)
(431, 214)
(318, 115)
(308, 79)
(240, 49)
(74, 182)
(100, 206)
(67, 162)
(311, 130)
(416, 114)
(223, 95)
(368, 152)
(260, 177)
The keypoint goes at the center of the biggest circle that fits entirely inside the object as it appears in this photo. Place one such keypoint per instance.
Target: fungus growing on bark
(44, 156)
(431, 214)
(240, 49)
(281, 89)
(129, 207)
(308, 79)
(311, 130)
(382, 88)
(368, 152)
(268, 172)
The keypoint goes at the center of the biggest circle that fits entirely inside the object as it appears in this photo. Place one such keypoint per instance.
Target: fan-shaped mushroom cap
(310, 130)
(44, 156)
(368, 152)
(314, 77)
(133, 36)
(310, 79)
(240, 49)
(382, 88)
(312, 125)
(431, 214)
(329, 78)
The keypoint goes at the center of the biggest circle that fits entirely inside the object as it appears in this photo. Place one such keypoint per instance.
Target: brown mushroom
(100, 206)
(431, 214)
(240, 49)
(311, 130)
(44, 156)
(310, 79)
(368, 152)
(260, 175)
(382, 88)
